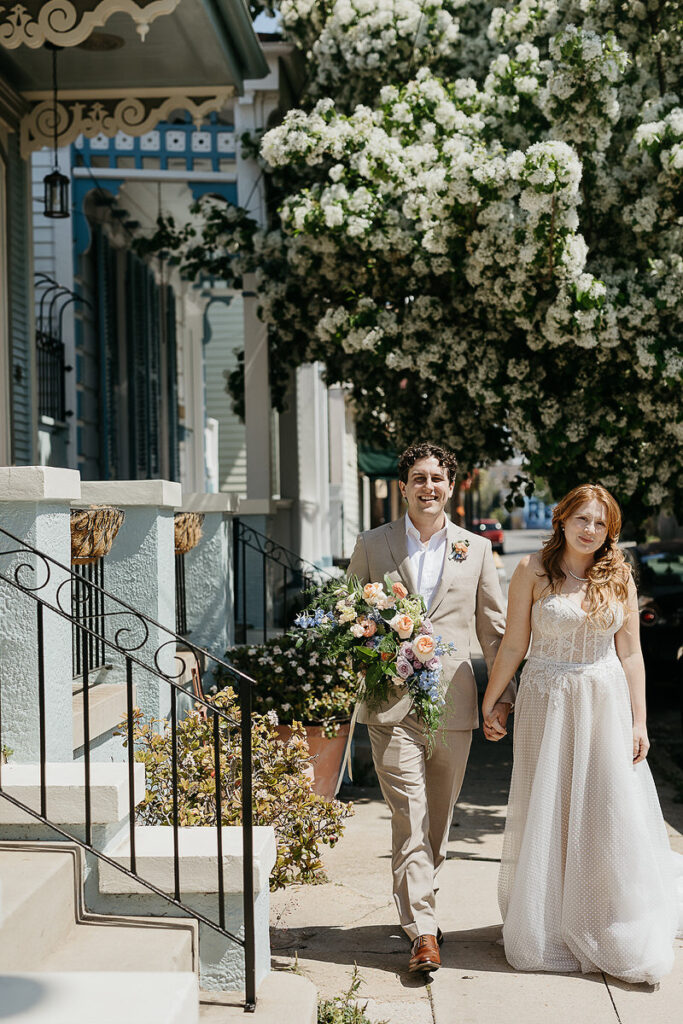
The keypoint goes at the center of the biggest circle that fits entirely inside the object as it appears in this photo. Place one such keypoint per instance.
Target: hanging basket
(92, 532)
(188, 531)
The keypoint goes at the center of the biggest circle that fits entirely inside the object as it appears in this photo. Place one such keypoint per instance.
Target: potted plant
(301, 686)
(283, 798)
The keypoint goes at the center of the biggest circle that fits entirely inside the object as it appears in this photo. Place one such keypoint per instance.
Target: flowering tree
(479, 228)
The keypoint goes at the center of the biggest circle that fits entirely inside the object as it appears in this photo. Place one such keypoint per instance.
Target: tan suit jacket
(468, 590)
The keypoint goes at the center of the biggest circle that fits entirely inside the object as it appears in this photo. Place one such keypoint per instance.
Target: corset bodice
(562, 632)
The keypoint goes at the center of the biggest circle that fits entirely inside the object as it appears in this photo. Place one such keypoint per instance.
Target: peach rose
(423, 648)
(399, 590)
(404, 626)
(369, 627)
(372, 592)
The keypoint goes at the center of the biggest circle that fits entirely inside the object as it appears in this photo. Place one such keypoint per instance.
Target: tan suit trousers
(421, 792)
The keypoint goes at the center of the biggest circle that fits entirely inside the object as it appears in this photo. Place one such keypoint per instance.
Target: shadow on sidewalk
(386, 948)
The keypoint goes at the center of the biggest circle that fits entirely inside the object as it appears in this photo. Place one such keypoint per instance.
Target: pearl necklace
(581, 579)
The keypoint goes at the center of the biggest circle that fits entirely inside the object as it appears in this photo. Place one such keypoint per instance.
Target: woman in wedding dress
(587, 881)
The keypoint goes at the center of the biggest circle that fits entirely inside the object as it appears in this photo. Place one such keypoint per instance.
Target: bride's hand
(641, 743)
(495, 719)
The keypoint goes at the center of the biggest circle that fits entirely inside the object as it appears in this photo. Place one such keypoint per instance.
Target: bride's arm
(627, 642)
(514, 644)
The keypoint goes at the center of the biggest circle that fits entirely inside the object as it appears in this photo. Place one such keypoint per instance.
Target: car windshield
(664, 566)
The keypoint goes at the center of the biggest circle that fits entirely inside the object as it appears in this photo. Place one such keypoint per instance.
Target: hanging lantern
(56, 184)
(56, 194)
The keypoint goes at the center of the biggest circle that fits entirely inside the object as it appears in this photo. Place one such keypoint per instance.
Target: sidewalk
(352, 919)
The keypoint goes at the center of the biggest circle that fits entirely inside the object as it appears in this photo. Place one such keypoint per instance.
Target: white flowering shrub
(479, 229)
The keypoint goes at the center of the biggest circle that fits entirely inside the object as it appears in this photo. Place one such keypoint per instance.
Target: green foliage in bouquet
(296, 684)
(283, 797)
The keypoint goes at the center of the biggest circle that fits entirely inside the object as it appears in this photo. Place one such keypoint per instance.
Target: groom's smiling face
(427, 489)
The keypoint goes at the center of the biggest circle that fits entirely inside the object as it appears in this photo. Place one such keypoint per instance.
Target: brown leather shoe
(425, 954)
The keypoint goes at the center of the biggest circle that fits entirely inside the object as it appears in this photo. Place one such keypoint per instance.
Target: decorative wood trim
(107, 115)
(61, 23)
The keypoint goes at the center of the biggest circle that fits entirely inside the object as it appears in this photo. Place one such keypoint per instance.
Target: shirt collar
(412, 531)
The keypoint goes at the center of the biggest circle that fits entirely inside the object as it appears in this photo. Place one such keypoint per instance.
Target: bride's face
(585, 529)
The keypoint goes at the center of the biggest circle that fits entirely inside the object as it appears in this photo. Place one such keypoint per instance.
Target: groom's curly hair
(425, 450)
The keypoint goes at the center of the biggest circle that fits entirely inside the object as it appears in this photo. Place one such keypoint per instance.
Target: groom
(455, 573)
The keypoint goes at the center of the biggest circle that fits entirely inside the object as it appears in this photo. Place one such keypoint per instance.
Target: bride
(587, 879)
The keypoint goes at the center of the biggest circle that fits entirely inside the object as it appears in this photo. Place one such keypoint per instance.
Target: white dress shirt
(427, 560)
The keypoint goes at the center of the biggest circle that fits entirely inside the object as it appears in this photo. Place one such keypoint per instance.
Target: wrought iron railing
(50, 353)
(180, 596)
(51, 366)
(133, 639)
(278, 579)
(87, 608)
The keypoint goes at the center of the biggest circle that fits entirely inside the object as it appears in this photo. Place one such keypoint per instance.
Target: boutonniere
(459, 550)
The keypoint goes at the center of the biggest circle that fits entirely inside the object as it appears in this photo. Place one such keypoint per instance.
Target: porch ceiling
(201, 44)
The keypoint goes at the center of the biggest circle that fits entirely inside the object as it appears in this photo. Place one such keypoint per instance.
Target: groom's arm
(490, 618)
(359, 565)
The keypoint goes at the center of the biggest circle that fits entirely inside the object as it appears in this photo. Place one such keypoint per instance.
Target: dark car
(659, 577)
(493, 530)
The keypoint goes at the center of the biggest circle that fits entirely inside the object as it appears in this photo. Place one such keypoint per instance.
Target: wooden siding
(20, 287)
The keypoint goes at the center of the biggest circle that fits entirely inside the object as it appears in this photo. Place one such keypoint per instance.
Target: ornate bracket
(61, 23)
(102, 113)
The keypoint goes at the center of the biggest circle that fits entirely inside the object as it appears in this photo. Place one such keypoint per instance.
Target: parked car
(493, 530)
(658, 568)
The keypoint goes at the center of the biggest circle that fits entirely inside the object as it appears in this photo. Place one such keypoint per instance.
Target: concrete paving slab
(399, 1013)
(476, 986)
(663, 1005)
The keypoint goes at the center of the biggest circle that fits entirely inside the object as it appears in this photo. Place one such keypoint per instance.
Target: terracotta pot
(188, 531)
(93, 531)
(326, 753)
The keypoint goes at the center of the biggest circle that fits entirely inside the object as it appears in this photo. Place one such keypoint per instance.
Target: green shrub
(297, 684)
(282, 795)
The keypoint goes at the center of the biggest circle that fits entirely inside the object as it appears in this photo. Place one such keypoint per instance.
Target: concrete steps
(59, 964)
(106, 997)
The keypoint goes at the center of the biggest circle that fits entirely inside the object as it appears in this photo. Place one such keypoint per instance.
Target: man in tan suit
(455, 573)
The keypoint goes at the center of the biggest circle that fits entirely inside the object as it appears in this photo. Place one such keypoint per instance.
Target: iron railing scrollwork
(278, 579)
(133, 639)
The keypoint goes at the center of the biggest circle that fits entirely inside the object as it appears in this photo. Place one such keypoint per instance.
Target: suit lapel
(396, 539)
(450, 569)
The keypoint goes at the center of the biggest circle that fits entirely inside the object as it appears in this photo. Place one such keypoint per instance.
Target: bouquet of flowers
(385, 634)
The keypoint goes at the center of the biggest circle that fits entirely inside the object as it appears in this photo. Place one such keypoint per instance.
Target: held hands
(641, 743)
(495, 719)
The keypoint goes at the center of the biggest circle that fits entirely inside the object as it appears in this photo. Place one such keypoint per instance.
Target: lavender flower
(404, 668)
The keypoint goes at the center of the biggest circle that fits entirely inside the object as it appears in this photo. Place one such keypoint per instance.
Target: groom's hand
(495, 722)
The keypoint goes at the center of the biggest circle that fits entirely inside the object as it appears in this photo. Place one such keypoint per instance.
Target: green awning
(378, 464)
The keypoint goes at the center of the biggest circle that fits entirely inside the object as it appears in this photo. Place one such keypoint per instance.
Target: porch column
(209, 574)
(35, 506)
(140, 570)
(314, 474)
(258, 414)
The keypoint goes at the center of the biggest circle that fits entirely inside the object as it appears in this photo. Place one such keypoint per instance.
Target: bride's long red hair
(608, 576)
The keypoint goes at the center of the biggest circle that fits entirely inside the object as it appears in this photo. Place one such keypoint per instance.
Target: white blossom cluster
(480, 229)
(350, 42)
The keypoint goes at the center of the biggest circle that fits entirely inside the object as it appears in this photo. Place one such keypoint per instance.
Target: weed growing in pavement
(344, 1009)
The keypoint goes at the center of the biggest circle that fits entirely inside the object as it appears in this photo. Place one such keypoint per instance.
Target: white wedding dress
(588, 880)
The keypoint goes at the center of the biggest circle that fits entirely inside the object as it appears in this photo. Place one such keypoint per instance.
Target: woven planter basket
(188, 531)
(92, 532)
